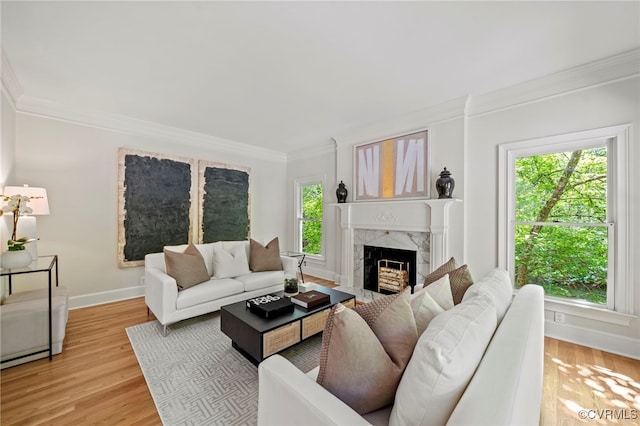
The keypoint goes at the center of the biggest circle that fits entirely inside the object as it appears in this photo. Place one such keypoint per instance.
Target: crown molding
(604, 71)
(10, 83)
(120, 123)
(312, 152)
(420, 119)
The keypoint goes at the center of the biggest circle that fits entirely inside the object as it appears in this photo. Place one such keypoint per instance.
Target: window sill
(588, 311)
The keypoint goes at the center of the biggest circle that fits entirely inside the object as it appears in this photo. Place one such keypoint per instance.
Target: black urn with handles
(445, 184)
(341, 193)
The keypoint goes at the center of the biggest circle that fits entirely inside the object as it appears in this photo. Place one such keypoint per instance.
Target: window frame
(619, 289)
(298, 185)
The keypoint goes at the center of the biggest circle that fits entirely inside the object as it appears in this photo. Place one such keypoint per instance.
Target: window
(562, 216)
(309, 236)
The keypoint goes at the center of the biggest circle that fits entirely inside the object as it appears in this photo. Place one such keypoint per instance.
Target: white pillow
(496, 285)
(230, 263)
(443, 362)
(431, 301)
(440, 290)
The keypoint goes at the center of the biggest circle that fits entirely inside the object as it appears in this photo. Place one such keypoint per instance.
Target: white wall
(7, 148)
(602, 105)
(78, 165)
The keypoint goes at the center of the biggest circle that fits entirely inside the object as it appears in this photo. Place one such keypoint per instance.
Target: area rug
(197, 378)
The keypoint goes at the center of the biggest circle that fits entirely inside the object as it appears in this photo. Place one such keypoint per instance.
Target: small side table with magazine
(257, 337)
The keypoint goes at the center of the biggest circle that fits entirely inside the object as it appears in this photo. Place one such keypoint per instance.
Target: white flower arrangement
(17, 204)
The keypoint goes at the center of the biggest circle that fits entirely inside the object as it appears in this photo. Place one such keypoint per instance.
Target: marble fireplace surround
(419, 225)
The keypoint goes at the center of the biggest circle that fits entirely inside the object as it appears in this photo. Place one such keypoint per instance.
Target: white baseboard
(318, 272)
(616, 344)
(101, 298)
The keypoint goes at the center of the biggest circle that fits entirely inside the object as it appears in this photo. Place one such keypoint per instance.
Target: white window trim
(298, 184)
(621, 304)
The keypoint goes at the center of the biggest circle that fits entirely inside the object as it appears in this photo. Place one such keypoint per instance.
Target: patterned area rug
(196, 377)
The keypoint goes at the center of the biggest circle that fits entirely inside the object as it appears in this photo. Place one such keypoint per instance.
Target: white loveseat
(505, 386)
(170, 305)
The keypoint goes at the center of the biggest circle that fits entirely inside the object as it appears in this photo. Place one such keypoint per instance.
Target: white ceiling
(286, 75)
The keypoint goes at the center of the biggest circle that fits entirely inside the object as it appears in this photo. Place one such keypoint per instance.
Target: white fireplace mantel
(430, 216)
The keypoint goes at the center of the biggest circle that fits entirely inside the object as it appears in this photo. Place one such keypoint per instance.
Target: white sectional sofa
(24, 324)
(504, 386)
(170, 305)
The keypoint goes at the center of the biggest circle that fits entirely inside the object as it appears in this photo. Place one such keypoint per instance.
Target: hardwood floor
(97, 379)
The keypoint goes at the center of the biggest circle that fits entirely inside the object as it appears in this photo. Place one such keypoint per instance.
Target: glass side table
(41, 264)
(298, 255)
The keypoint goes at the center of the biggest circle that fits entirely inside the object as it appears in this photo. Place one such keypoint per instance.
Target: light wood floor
(97, 380)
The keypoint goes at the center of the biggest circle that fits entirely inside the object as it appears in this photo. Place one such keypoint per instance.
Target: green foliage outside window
(562, 244)
(312, 219)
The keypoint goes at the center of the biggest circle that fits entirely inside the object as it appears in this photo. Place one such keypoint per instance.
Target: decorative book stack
(270, 306)
(310, 299)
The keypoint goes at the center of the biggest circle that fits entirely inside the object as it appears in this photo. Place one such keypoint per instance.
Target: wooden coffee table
(257, 338)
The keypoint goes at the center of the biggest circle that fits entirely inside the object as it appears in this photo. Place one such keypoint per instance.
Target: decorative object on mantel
(341, 192)
(17, 198)
(445, 184)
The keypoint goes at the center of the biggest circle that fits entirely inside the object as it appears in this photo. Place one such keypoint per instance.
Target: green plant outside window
(561, 229)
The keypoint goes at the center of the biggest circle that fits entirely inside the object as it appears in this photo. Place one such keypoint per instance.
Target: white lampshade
(40, 206)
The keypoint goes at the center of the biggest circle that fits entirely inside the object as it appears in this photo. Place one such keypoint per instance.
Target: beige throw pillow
(365, 351)
(451, 265)
(265, 258)
(459, 278)
(188, 268)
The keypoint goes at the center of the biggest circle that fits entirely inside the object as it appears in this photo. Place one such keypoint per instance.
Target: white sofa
(505, 386)
(170, 305)
(24, 324)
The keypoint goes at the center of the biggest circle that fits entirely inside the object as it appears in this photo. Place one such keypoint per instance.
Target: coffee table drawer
(351, 303)
(315, 323)
(280, 338)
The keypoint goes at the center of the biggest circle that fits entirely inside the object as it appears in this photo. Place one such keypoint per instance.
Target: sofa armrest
(512, 368)
(290, 265)
(287, 396)
(160, 293)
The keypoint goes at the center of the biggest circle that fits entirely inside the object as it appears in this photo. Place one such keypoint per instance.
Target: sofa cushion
(365, 350)
(206, 250)
(431, 301)
(187, 268)
(460, 280)
(229, 263)
(443, 362)
(213, 289)
(265, 258)
(450, 265)
(258, 280)
(496, 286)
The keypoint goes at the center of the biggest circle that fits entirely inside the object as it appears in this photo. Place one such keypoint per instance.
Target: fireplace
(389, 270)
(417, 225)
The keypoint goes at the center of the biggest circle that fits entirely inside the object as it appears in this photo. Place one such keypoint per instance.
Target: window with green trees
(561, 227)
(310, 219)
